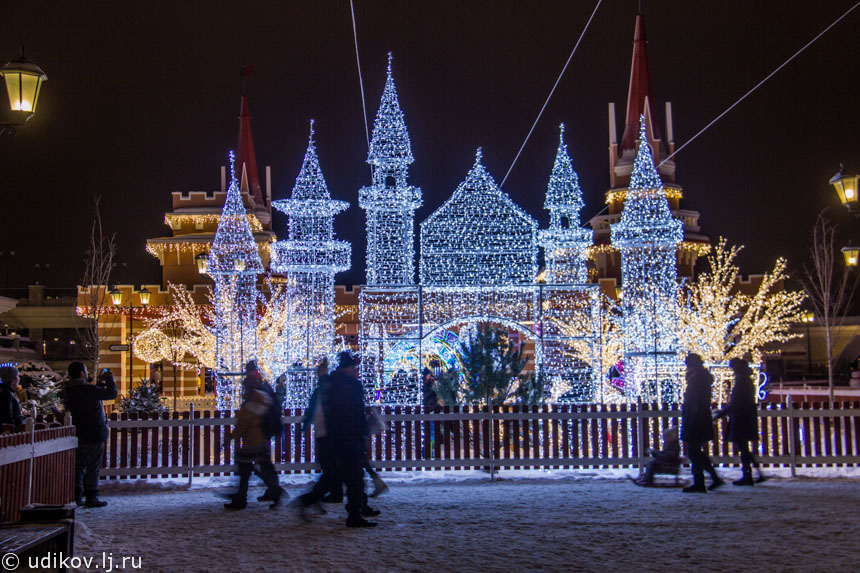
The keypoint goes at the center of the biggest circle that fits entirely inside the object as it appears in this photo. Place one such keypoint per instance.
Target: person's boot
(379, 486)
(716, 482)
(94, 501)
(355, 520)
(745, 480)
(368, 511)
(695, 488)
(235, 503)
(274, 496)
(332, 497)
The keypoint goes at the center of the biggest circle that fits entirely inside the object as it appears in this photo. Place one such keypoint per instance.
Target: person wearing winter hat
(696, 424)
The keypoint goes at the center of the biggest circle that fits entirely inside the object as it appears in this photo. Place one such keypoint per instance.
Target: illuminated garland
(565, 242)
(620, 195)
(390, 202)
(648, 237)
(176, 220)
(699, 249)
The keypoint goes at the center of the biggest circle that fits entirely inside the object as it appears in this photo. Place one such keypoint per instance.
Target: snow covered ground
(460, 521)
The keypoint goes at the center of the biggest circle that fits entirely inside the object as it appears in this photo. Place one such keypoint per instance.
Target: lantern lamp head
(116, 296)
(846, 185)
(23, 81)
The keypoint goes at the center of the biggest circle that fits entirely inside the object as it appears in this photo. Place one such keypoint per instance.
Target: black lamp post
(116, 298)
(23, 81)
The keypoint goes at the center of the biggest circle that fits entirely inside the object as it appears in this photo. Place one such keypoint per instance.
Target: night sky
(143, 98)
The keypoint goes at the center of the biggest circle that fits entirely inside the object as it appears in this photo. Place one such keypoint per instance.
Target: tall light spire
(390, 201)
(565, 242)
(648, 237)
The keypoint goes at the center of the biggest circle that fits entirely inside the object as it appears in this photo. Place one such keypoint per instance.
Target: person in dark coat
(10, 406)
(697, 423)
(329, 487)
(743, 418)
(346, 427)
(83, 400)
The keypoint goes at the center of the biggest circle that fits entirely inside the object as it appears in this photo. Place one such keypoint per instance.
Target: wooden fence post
(792, 449)
(640, 443)
(190, 444)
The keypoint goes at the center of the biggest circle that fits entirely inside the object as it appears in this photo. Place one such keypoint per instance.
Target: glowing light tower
(565, 243)
(648, 237)
(234, 264)
(309, 258)
(390, 202)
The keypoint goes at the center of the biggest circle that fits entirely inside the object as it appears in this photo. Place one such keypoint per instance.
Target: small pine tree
(143, 398)
(493, 366)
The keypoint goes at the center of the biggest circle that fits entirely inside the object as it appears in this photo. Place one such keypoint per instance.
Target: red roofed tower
(640, 100)
(246, 160)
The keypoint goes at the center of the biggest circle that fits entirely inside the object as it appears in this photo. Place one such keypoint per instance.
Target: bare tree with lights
(829, 289)
(99, 262)
(719, 323)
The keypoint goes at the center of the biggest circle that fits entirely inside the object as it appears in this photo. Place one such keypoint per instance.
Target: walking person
(83, 400)
(697, 425)
(10, 405)
(251, 429)
(346, 426)
(743, 419)
(328, 487)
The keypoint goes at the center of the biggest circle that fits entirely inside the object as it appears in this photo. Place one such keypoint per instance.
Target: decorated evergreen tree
(143, 398)
(493, 366)
(449, 387)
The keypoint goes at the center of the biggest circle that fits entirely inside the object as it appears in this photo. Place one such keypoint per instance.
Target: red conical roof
(640, 87)
(246, 159)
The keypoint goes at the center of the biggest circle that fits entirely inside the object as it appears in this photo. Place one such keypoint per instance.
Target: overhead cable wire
(552, 91)
(360, 81)
(770, 75)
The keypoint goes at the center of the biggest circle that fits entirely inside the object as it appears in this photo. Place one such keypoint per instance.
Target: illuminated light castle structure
(390, 201)
(648, 237)
(565, 243)
(308, 259)
(478, 265)
(234, 264)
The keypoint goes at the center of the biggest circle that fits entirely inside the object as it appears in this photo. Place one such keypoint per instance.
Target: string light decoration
(648, 237)
(719, 322)
(308, 259)
(479, 236)
(234, 264)
(565, 243)
(390, 202)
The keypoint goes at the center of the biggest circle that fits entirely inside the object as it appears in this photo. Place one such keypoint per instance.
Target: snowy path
(515, 524)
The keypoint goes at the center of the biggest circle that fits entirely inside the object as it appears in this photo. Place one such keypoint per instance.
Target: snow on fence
(194, 443)
(36, 466)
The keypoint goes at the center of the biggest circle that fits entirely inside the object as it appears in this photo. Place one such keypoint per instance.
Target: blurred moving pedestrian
(743, 419)
(346, 426)
(697, 428)
(328, 487)
(83, 400)
(254, 450)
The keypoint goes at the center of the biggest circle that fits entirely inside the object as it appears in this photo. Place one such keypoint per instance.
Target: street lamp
(202, 261)
(23, 81)
(116, 298)
(847, 186)
(851, 254)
